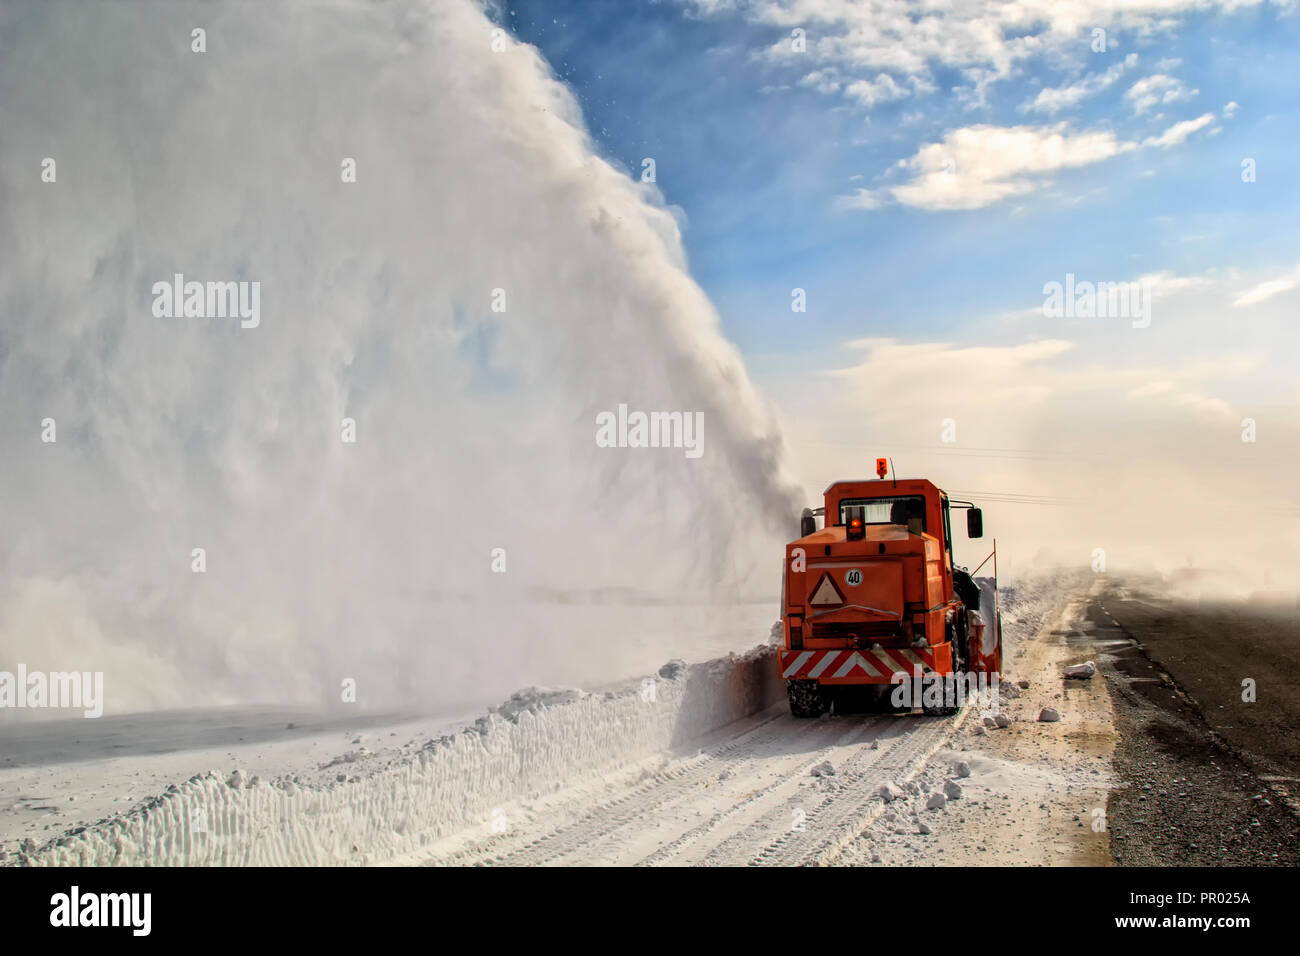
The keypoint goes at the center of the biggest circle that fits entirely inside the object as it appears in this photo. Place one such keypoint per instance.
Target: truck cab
(874, 596)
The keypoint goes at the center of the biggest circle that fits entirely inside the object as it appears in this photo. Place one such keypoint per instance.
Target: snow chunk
(352, 756)
(534, 699)
(673, 669)
(1080, 671)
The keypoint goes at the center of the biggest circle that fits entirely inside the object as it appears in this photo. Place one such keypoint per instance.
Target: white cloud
(863, 200)
(1164, 284)
(1160, 286)
(1013, 389)
(1268, 289)
(1110, 429)
(870, 92)
(1013, 375)
(977, 166)
(980, 165)
(823, 81)
(1158, 89)
(984, 41)
(1029, 375)
(1218, 287)
(1177, 134)
(883, 88)
(1053, 100)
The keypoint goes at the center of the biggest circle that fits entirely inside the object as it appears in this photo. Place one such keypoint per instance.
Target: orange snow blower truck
(875, 598)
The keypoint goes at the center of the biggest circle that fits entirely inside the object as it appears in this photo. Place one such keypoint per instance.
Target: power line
(1015, 498)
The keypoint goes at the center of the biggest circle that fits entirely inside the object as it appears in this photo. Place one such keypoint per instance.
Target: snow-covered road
(770, 790)
(698, 764)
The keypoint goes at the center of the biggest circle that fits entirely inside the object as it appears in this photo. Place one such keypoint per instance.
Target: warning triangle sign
(826, 592)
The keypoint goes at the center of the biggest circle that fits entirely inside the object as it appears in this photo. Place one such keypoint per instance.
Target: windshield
(895, 510)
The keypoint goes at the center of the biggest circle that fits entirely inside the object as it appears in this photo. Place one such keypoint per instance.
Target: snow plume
(483, 291)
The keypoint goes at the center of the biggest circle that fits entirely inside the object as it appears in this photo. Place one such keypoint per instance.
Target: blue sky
(756, 157)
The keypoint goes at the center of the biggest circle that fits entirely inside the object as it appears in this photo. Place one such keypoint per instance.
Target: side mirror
(807, 523)
(974, 523)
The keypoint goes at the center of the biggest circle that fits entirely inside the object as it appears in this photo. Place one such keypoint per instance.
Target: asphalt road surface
(1208, 777)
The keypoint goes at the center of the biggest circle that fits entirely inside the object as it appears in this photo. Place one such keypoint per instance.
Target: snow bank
(1030, 600)
(988, 614)
(535, 743)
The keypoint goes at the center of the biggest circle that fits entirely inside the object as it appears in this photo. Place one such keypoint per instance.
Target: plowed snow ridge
(528, 746)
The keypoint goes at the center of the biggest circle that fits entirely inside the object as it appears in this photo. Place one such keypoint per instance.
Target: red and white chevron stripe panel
(847, 664)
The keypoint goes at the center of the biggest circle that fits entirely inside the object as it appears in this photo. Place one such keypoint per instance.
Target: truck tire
(959, 635)
(807, 698)
(943, 710)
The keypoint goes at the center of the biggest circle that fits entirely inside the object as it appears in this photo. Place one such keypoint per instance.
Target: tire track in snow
(851, 807)
(760, 796)
(665, 785)
(746, 789)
